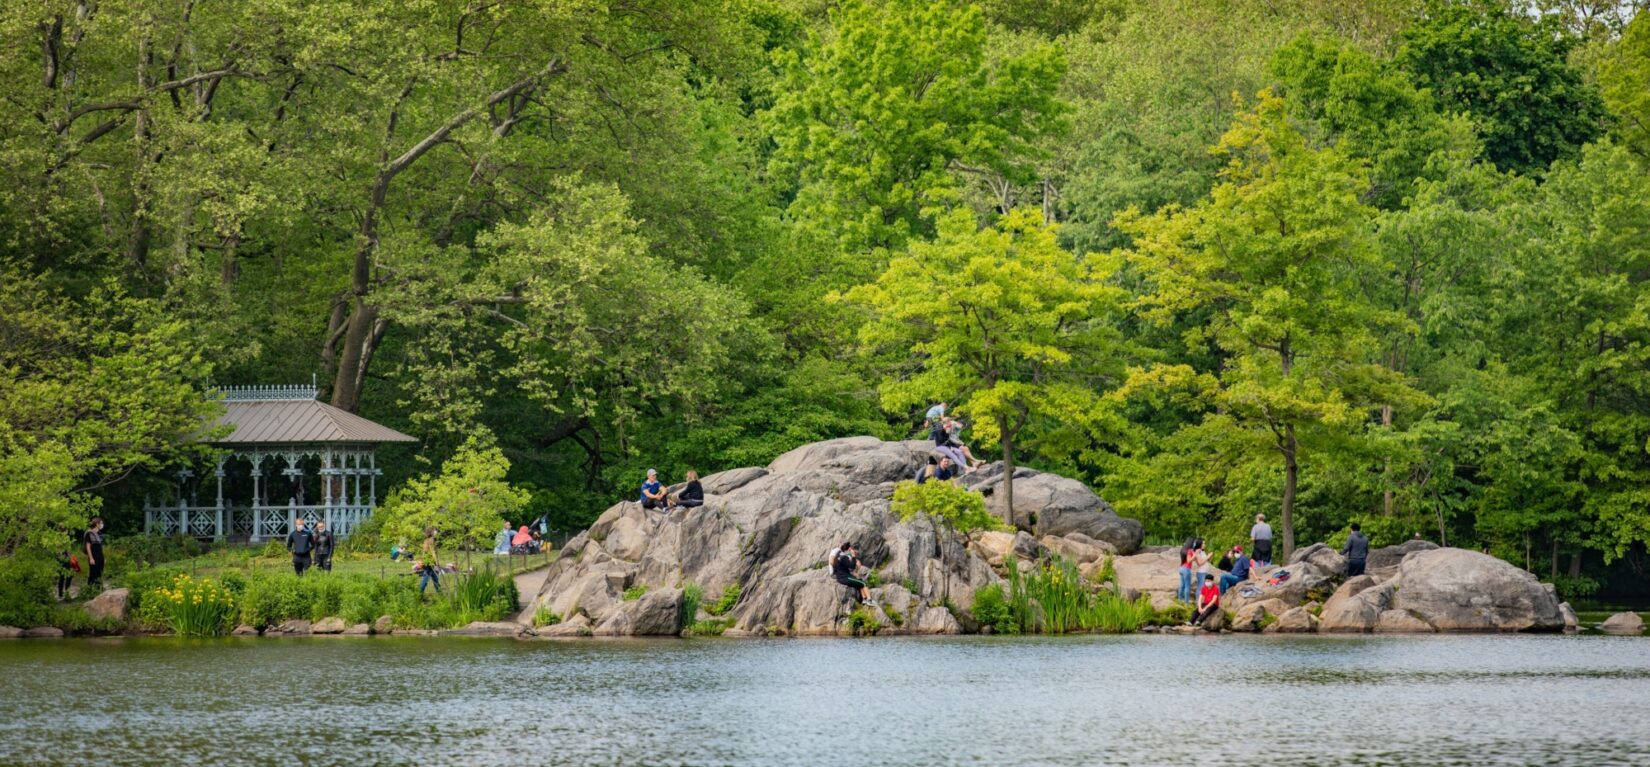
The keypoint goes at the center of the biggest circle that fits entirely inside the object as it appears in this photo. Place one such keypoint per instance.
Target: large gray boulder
(1327, 560)
(1052, 505)
(1383, 562)
(109, 605)
(1459, 590)
(1154, 574)
(768, 531)
(1355, 610)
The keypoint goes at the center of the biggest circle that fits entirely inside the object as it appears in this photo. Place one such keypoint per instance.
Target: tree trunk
(1291, 475)
(1575, 564)
(1008, 468)
(1386, 466)
(360, 340)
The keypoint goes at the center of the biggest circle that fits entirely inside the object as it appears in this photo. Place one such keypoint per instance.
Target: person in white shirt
(1260, 541)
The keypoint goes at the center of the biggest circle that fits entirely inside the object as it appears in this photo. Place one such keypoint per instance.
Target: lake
(1145, 700)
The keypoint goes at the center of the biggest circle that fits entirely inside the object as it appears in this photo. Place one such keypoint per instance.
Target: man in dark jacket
(1356, 551)
(300, 542)
(323, 546)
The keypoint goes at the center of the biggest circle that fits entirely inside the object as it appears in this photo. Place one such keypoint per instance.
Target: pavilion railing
(255, 524)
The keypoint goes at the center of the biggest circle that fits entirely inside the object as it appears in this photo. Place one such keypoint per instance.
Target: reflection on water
(1147, 700)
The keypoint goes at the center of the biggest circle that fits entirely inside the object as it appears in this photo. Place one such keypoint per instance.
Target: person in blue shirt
(653, 493)
(1239, 572)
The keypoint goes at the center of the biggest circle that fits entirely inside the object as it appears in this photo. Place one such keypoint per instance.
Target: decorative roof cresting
(293, 393)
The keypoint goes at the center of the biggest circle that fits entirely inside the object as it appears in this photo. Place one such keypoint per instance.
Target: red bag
(74, 563)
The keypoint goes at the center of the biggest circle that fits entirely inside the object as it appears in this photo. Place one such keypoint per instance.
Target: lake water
(1146, 700)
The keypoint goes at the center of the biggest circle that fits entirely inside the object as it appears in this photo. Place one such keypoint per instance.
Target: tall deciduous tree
(1001, 320)
(1271, 263)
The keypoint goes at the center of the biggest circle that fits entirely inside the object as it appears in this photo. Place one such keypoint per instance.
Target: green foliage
(1507, 68)
(483, 592)
(692, 597)
(27, 591)
(991, 609)
(634, 592)
(465, 503)
(963, 509)
(1055, 599)
(544, 617)
(191, 607)
(730, 597)
(894, 616)
(710, 627)
(863, 621)
(1621, 78)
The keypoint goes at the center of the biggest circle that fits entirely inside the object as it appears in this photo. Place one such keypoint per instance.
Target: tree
(1507, 69)
(1001, 320)
(466, 503)
(1270, 263)
(874, 122)
(1621, 77)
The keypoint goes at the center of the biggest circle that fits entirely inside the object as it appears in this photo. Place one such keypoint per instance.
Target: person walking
(1356, 551)
(428, 573)
(1260, 541)
(300, 542)
(92, 541)
(324, 543)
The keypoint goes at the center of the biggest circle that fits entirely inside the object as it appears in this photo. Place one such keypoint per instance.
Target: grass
(730, 597)
(863, 622)
(634, 592)
(1055, 599)
(543, 617)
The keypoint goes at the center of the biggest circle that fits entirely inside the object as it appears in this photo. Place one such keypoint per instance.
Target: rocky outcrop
(1623, 624)
(359, 629)
(329, 626)
(1052, 505)
(768, 531)
(1322, 557)
(1297, 620)
(1460, 590)
(109, 605)
(43, 632)
(1154, 574)
(291, 628)
(10, 632)
(1400, 622)
(1383, 562)
(244, 630)
(1356, 607)
(1252, 617)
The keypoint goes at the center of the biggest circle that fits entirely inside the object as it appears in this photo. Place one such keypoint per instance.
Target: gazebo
(289, 456)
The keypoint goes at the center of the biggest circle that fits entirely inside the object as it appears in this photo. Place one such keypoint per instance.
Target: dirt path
(527, 586)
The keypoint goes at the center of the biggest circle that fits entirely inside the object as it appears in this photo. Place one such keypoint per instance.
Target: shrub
(963, 509)
(482, 595)
(193, 607)
(893, 615)
(634, 592)
(1055, 599)
(712, 627)
(863, 622)
(730, 597)
(27, 590)
(543, 617)
(692, 597)
(991, 609)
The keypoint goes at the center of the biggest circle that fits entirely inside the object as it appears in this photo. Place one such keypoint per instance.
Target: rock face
(1383, 562)
(768, 532)
(1356, 607)
(1319, 555)
(1296, 620)
(1154, 574)
(1623, 624)
(1052, 505)
(1460, 590)
(110, 605)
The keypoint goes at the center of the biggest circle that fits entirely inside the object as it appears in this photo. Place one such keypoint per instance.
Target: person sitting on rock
(1239, 572)
(953, 429)
(943, 443)
(843, 569)
(1208, 601)
(653, 493)
(693, 495)
(943, 470)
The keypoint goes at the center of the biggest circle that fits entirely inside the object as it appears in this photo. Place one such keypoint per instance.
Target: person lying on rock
(843, 569)
(1239, 571)
(1208, 601)
(653, 493)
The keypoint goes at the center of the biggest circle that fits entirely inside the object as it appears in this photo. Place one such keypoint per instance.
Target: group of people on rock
(656, 496)
(1197, 579)
(947, 435)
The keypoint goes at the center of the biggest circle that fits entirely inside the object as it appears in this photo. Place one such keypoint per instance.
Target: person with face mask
(1208, 601)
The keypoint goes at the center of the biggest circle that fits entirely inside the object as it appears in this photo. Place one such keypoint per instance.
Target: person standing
(1260, 541)
(92, 541)
(501, 542)
(1356, 551)
(324, 543)
(65, 573)
(1188, 569)
(300, 542)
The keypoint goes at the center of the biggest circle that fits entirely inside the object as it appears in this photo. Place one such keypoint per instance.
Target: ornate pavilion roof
(286, 415)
